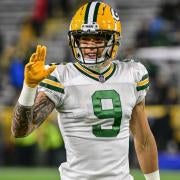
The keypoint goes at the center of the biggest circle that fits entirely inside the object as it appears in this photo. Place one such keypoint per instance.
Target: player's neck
(99, 68)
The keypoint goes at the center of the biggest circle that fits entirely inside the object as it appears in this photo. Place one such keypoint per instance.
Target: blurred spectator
(171, 96)
(65, 7)
(25, 150)
(143, 37)
(176, 25)
(153, 33)
(6, 139)
(60, 8)
(167, 10)
(26, 35)
(52, 144)
(163, 29)
(7, 55)
(1, 43)
(158, 29)
(159, 88)
(40, 14)
(1, 144)
(162, 131)
(1, 52)
(16, 72)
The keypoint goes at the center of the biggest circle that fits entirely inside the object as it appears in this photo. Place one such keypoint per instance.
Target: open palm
(35, 70)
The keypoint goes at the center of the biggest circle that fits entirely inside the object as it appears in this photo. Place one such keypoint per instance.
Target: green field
(53, 174)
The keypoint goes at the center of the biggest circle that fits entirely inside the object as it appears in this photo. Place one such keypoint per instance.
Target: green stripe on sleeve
(139, 88)
(53, 78)
(145, 77)
(54, 88)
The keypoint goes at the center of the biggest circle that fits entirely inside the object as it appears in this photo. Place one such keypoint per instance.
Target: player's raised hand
(35, 70)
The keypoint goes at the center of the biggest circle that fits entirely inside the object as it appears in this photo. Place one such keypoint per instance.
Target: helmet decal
(90, 27)
(115, 14)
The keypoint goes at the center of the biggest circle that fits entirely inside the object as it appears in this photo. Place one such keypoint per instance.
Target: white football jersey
(94, 111)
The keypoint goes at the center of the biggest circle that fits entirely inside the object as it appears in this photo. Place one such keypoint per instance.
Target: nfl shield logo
(101, 78)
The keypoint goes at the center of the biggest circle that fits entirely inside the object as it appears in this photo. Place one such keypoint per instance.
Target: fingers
(32, 58)
(39, 55)
(29, 65)
(36, 66)
(38, 50)
(43, 53)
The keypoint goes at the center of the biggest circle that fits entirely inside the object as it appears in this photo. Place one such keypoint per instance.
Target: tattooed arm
(26, 119)
(31, 111)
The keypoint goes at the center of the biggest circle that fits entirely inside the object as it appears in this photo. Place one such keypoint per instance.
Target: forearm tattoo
(26, 119)
(21, 120)
(41, 109)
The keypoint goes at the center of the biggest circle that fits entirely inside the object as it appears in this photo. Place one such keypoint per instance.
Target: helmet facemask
(110, 41)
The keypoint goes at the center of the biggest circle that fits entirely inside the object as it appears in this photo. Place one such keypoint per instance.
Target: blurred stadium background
(151, 33)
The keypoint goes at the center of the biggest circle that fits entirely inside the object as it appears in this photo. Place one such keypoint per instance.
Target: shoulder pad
(130, 60)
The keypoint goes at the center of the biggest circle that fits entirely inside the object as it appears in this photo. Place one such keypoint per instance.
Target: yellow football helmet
(95, 18)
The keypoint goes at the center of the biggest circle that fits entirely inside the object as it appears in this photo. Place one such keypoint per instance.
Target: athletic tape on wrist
(27, 96)
(152, 176)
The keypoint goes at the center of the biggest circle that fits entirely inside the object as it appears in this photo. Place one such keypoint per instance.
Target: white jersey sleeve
(141, 76)
(53, 87)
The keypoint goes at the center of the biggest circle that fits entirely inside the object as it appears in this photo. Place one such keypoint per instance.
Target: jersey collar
(102, 77)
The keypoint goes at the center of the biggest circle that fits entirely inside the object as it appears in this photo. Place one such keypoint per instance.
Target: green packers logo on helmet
(115, 14)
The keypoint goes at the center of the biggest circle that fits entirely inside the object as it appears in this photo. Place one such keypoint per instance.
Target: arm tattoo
(26, 119)
(41, 109)
(21, 120)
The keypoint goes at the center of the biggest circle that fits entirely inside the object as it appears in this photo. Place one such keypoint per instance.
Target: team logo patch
(115, 14)
(101, 78)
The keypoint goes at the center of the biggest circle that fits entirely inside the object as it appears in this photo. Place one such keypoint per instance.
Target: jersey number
(115, 113)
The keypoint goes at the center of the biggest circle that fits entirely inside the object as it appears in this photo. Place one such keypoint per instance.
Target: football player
(98, 99)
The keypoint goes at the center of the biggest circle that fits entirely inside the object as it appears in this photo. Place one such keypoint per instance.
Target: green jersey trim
(139, 88)
(95, 75)
(144, 83)
(52, 87)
